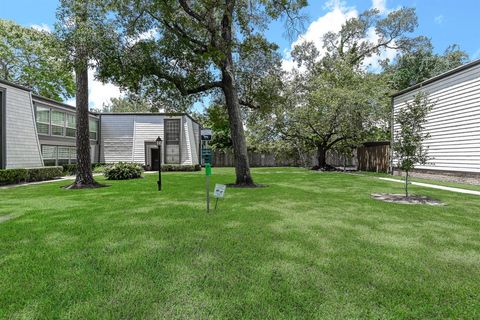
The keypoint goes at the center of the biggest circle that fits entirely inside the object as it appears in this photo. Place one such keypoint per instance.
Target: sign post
(208, 173)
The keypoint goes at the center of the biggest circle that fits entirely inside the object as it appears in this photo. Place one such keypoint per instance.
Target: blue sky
(444, 21)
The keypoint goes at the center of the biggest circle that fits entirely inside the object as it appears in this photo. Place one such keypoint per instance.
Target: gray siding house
(36, 131)
(453, 123)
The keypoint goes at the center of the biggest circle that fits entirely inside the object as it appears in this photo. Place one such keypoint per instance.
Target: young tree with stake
(408, 146)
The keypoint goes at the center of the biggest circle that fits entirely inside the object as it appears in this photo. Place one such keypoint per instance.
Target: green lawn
(311, 245)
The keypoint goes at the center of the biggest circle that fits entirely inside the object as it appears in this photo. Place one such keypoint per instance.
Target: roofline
(11, 84)
(437, 78)
(40, 98)
(48, 100)
(168, 114)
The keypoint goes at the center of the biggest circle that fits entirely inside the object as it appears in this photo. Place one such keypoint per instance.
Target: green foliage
(215, 117)
(44, 173)
(420, 65)
(11, 176)
(335, 101)
(123, 171)
(196, 36)
(71, 169)
(36, 60)
(180, 168)
(408, 146)
(131, 103)
(84, 29)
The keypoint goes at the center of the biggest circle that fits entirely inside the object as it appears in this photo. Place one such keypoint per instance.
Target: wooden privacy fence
(256, 159)
(374, 156)
(269, 159)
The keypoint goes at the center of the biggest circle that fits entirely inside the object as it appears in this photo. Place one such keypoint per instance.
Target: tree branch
(179, 83)
(190, 12)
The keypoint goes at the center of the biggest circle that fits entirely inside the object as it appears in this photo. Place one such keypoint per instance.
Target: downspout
(36, 132)
(392, 133)
(99, 137)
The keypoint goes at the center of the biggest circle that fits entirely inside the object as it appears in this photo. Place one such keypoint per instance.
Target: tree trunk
(84, 178)
(229, 87)
(242, 166)
(322, 156)
(406, 184)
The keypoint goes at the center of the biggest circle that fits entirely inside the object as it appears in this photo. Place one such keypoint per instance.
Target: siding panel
(117, 138)
(454, 122)
(22, 146)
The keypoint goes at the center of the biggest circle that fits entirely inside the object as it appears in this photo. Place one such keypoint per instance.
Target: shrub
(11, 176)
(176, 167)
(123, 171)
(99, 169)
(71, 169)
(45, 173)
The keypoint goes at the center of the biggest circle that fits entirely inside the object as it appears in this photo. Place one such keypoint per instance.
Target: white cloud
(439, 19)
(41, 27)
(332, 21)
(380, 5)
(98, 93)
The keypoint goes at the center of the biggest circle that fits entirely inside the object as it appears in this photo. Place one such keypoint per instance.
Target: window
(172, 131)
(93, 124)
(172, 140)
(43, 120)
(58, 155)
(63, 155)
(58, 123)
(49, 154)
(73, 155)
(71, 126)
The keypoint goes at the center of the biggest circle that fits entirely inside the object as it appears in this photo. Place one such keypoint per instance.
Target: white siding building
(36, 131)
(453, 123)
(130, 137)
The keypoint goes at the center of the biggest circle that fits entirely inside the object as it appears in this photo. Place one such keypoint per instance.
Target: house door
(155, 159)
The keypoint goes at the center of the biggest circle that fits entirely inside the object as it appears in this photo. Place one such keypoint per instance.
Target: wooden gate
(374, 156)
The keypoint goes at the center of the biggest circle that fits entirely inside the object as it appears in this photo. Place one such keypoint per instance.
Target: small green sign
(208, 169)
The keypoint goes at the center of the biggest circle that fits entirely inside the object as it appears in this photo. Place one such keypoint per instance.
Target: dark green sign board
(207, 155)
(208, 169)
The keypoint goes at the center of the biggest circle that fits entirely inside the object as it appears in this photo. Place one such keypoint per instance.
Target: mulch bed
(401, 198)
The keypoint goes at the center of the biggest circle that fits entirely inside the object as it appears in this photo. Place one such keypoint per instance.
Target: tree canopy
(35, 59)
(182, 48)
(421, 64)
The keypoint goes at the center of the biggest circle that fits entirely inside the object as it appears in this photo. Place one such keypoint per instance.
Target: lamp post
(159, 145)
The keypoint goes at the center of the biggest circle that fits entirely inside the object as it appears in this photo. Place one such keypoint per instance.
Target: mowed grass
(310, 246)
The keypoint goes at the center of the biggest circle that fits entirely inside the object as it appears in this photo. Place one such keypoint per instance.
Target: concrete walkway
(10, 186)
(434, 186)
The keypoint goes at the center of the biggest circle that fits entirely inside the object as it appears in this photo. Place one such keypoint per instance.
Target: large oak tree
(195, 47)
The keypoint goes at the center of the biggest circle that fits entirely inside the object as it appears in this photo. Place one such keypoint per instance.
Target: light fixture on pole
(159, 146)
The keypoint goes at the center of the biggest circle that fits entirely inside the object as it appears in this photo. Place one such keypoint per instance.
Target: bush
(176, 167)
(45, 173)
(71, 169)
(123, 171)
(99, 169)
(11, 176)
